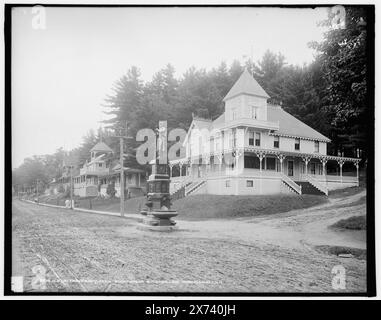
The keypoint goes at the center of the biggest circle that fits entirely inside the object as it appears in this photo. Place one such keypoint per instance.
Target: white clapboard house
(257, 148)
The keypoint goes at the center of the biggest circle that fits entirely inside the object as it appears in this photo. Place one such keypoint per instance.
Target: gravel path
(84, 252)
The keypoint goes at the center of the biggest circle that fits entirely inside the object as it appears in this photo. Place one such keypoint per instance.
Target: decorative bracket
(281, 157)
(340, 162)
(306, 159)
(260, 155)
(323, 161)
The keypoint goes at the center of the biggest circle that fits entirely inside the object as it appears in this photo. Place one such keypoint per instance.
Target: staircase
(291, 185)
(179, 193)
(308, 188)
(194, 186)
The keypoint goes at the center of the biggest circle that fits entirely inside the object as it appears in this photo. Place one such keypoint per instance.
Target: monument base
(158, 221)
(147, 227)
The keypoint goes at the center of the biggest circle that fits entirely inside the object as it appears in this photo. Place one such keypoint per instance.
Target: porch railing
(291, 183)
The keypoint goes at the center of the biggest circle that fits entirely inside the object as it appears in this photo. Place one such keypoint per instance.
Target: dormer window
(297, 144)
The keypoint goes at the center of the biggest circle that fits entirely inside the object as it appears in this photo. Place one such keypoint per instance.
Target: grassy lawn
(132, 205)
(352, 223)
(206, 206)
(220, 206)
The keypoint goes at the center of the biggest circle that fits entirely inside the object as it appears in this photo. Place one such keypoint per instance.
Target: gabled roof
(200, 124)
(291, 126)
(101, 147)
(219, 120)
(246, 84)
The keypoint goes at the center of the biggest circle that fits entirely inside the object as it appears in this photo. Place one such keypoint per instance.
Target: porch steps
(194, 187)
(308, 188)
(289, 187)
(180, 193)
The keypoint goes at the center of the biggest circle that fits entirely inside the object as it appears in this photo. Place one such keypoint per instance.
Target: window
(251, 138)
(251, 162)
(100, 165)
(257, 139)
(316, 148)
(276, 142)
(211, 144)
(313, 168)
(254, 112)
(249, 183)
(270, 163)
(297, 144)
(227, 183)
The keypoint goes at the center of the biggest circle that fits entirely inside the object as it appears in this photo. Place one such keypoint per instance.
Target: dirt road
(83, 252)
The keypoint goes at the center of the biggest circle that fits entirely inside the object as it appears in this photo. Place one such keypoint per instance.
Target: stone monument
(158, 214)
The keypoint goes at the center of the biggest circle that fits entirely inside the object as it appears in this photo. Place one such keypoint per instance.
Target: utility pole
(71, 187)
(122, 134)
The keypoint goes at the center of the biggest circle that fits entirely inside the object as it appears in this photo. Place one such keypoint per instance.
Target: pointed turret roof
(101, 147)
(246, 84)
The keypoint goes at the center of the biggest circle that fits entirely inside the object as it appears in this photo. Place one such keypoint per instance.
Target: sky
(65, 65)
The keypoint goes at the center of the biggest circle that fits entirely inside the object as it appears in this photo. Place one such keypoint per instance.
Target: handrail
(181, 183)
(194, 186)
(292, 183)
(317, 184)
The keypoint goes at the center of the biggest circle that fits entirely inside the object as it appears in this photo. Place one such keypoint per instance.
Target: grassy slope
(218, 206)
(211, 206)
(352, 223)
(131, 205)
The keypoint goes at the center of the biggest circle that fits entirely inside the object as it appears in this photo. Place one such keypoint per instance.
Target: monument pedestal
(158, 215)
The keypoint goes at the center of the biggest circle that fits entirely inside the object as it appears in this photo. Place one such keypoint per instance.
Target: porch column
(181, 168)
(341, 162)
(139, 179)
(281, 158)
(324, 162)
(238, 154)
(260, 155)
(306, 160)
(357, 172)
(170, 169)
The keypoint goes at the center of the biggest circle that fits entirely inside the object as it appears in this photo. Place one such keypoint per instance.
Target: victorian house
(257, 148)
(102, 170)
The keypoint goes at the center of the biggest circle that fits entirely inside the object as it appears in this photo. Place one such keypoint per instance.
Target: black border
(371, 262)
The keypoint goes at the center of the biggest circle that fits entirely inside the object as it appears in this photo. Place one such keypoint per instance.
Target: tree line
(329, 94)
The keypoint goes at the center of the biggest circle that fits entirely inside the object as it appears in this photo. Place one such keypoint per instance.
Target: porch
(322, 171)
